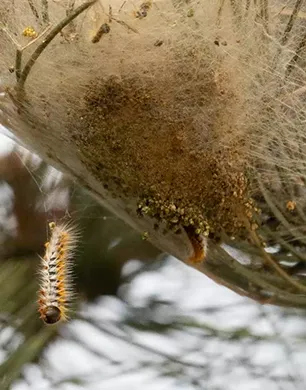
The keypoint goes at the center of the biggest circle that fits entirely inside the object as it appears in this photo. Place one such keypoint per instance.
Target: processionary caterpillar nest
(189, 114)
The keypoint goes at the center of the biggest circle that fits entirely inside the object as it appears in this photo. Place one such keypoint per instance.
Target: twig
(269, 260)
(37, 38)
(289, 247)
(279, 297)
(53, 33)
(291, 21)
(277, 213)
(18, 63)
(19, 52)
(273, 289)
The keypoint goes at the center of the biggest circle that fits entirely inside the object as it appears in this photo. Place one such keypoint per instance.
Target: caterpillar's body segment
(199, 245)
(56, 288)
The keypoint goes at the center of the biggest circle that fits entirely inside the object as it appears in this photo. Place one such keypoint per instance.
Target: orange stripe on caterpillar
(56, 288)
(199, 245)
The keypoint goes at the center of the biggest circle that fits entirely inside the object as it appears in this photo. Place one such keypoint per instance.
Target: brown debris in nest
(144, 143)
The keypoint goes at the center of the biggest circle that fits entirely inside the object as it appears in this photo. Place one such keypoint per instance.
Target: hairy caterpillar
(199, 244)
(56, 291)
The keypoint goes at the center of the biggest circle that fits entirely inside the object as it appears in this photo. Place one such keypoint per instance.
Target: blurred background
(141, 319)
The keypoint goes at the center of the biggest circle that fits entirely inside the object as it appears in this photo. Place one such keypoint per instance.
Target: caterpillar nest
(185, 118)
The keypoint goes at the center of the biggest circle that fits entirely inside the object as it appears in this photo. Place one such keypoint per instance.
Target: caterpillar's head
(52, 315)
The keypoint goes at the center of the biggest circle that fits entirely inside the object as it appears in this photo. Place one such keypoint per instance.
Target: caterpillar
(56, 291)
(199, 244)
